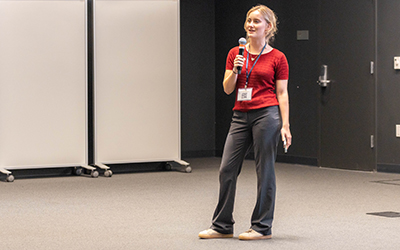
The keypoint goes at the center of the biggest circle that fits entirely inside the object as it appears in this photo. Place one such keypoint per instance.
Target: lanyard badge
(245, 94)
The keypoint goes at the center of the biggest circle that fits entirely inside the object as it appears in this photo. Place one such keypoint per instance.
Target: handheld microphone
(242, 45)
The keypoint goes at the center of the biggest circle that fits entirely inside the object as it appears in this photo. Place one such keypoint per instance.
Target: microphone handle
(241, 52)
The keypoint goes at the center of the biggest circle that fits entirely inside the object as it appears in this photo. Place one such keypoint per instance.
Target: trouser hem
(219, 230)
(263, 232)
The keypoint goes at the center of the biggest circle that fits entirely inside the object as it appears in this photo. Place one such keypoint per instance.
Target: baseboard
(218, 153)
(283, 158)
(388, 168)
(199, 153)
(291, 159)
(297, 160)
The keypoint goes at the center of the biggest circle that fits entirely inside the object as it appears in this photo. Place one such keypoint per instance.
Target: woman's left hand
(286, 135)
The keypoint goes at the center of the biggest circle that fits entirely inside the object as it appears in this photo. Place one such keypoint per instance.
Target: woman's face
(256, 26)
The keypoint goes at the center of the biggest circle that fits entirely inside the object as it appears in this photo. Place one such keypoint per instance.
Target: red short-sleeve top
(270, 67)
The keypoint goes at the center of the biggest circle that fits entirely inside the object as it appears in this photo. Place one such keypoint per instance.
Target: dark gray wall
(388, 90)
(206, 109)
(197, 77)
(302, 57)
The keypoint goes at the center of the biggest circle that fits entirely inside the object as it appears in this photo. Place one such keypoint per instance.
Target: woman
(261, 113)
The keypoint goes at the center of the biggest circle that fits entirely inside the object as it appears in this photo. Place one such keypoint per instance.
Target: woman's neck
(256, 46)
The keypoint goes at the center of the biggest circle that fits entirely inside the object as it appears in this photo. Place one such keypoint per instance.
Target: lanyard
(247, 64)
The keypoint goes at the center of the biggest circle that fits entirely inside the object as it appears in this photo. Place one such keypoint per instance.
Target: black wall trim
(311, 161)
(388, 168)
(201, 153)
(297, 160)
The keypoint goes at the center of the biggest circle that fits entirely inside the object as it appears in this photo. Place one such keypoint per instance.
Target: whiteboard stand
(86, 168)
(179, 165)
(107, 170)
(10, 177)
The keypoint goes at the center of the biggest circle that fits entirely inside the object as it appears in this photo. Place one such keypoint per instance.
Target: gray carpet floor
(315, 209)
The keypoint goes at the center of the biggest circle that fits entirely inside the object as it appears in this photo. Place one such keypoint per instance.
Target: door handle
(323, 78)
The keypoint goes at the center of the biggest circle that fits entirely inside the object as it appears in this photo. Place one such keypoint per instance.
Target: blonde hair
(270, 18)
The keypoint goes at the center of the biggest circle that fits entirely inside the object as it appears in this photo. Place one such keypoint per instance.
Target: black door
(346, 107)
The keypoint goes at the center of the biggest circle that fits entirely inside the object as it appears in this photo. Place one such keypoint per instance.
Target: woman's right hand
(238, 62)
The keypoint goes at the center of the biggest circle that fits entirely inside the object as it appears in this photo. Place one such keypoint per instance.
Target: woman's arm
(283, 99)
(230, 76)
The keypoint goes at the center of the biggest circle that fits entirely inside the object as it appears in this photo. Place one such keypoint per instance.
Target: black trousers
(260, 130)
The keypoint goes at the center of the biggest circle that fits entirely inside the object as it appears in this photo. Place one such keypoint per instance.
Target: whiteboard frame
(97, 156)
(82, 158)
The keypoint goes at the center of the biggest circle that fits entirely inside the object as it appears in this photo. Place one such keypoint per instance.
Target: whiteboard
(137, 81)
(43, 97)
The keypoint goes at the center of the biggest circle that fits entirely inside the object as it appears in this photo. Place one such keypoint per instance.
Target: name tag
(244, 94)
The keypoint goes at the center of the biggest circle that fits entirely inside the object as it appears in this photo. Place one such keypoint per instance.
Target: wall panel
(42, 83)
(137, 81)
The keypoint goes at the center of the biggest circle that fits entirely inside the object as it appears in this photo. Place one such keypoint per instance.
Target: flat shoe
(212, 234)
(253, 235)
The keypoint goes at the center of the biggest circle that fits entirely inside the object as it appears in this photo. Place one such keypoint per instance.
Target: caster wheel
(108, 173)
(78, 171)
(168, 167)
(10, 178)
(95, 174)
(188, 170)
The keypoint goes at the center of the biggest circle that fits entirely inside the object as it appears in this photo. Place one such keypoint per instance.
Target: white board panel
(137, 81)
(43, 83)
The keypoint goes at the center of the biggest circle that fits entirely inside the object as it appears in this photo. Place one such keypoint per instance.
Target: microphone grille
(242, 41)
